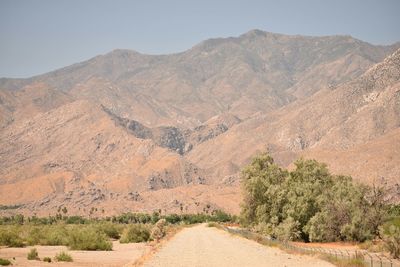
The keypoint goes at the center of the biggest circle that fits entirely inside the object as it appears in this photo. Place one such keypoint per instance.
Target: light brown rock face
(129, 132)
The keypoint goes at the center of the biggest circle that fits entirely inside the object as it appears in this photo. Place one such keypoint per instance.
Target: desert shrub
(135, 233)
(10, 237)
(220, 216)
(309, 203)
(47, 259)
(158, 230)
(195, 218)
(391, 238)
(394, 210)
(4, 262)
(54, 235)
(172, 218)
(36, 236)
(287, 230)
(373, 246)
(155, 216)
(345, 262)
(132, 218)
(75, 220)
(33, 254)
(88, 238)
(63, 256)
(212, 224)
(111, 230)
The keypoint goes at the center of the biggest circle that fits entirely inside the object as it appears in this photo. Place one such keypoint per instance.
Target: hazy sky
(40, 36)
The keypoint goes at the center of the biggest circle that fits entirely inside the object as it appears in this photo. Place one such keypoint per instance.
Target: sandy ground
(119, 256)
(205, 246)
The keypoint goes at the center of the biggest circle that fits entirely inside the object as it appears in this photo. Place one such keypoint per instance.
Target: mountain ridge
(135, 131)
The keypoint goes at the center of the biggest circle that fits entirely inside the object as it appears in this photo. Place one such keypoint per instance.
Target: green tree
(309, 203)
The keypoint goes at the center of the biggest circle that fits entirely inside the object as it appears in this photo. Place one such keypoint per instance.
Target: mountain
(355, 116)
(127, 131)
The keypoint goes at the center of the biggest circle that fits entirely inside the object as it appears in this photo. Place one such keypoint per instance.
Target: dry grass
(354, 262)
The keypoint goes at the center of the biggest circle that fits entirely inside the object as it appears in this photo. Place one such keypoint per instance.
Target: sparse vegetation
(63, 256)
(81, 233)
(33, 254)
(135, 233)
(374, 246)
(9, 207)
(341, 262)
(47, 259)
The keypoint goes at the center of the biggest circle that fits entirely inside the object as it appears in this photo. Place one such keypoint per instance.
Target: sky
(40, 36)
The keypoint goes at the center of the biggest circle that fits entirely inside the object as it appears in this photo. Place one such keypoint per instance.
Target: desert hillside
(126, 131)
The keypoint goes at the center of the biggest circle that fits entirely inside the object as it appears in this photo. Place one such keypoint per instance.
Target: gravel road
(206, 246)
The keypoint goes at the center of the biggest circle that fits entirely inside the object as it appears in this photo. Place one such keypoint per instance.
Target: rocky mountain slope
(126, 131)
(341, 120)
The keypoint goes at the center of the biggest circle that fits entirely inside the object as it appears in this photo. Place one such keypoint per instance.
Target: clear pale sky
(40, 36)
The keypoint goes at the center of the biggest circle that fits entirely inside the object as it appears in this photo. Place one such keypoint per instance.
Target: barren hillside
(171, 132)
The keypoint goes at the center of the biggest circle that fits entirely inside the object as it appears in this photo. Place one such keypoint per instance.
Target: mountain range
(126, 131)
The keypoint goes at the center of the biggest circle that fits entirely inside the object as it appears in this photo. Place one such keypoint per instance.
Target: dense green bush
(50, 235)
(135, 233)
(33, 254)
(10, 237)
(88, 238)
(309, 203)
(111, 230)
(63, 256)
(220, 216)
(36, 236)
(173, 218)
(4, 262)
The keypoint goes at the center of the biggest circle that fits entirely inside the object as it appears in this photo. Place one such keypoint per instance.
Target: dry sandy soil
(204, 246)
(119, 256)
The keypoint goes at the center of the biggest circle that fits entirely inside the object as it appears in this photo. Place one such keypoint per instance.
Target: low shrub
(391, 237)
(373, 246)
(33, 254)
(212, 224)
(4, 262)
(63, 256)
(48, 235)
(158, 230)
(10, 237)
(75, 220)
(35, 236)
(221, 216)
(173, 218)
(47, 259)
(88, 239)
(111, 230)
(353, 262)
(135, 233)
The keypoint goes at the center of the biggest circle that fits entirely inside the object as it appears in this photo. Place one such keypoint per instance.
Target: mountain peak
(255, 32)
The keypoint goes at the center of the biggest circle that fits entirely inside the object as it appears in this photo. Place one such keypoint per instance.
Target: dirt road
(205, 246)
